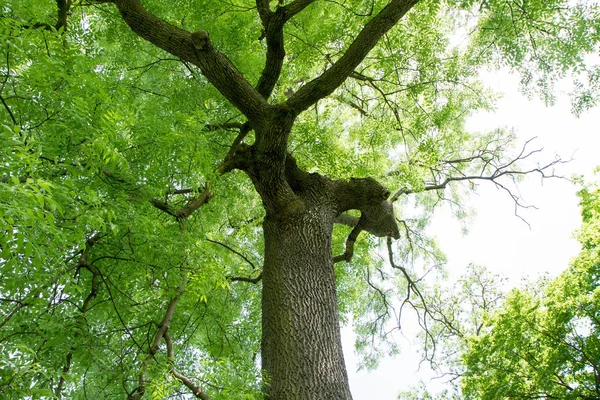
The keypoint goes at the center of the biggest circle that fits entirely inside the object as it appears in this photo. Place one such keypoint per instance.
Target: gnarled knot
(200, 39)
(379, 220)
(369, 191)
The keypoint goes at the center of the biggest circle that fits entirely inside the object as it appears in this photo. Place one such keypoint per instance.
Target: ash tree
(185, 184)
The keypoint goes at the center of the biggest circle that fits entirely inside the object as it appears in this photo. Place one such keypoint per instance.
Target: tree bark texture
(301, 346)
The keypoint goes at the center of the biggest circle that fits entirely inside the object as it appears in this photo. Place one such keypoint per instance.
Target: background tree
(545, 343)
(168, 207)
(460, 311)
(540, 341)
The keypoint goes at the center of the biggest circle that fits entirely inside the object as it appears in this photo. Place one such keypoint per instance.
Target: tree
(536, 342)
(545, 343)
(135, 176)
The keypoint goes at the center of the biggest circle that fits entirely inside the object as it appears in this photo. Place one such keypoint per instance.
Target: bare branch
(233, 251)
(255, 280)
(10, 113)
(412, 288)
(492, 167)
(239, 278)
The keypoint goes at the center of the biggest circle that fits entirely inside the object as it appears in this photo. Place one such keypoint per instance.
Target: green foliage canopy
(108, 145)
(544, 340)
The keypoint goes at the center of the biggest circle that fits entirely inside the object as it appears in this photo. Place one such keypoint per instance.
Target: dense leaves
(545, 343)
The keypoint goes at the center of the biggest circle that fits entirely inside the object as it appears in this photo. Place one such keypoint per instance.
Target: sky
(496, 238)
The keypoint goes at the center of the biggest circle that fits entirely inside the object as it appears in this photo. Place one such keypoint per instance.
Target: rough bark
(301, 345)
(301, 348)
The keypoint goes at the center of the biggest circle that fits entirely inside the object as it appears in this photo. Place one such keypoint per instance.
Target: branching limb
(230, 162)
(347, 219)
(377, 214)
(197, 49)
(239, 278)
(254, 280)
(273, 23)
(196, 391)
(82, 261)
(63, 8)
(83, 309)
(492, 167)
(139, 391)
(331, 79)
(410, 289)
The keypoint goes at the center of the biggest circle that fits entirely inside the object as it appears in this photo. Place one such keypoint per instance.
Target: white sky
(497, 239)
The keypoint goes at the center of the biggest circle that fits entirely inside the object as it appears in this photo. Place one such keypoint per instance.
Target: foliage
(540, 342)
(105, 139)
(544, 339)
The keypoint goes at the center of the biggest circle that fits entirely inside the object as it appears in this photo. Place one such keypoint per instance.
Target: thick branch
(273, 25)
(356, 194)
(195, 203)
(295, 7)
(196, 49)
(331, 79)
(347, 219)
(62, 13)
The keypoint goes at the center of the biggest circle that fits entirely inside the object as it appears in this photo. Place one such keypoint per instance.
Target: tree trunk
(301, 345)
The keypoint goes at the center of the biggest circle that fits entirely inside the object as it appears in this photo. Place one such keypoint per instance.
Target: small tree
(135, 176)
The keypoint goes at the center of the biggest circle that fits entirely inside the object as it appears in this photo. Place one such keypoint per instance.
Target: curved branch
(10, 113)
(162, 330)
(331, 79)
(233, 251)
(196, 49)
(197, 391)
(239, 278)
(347, 256)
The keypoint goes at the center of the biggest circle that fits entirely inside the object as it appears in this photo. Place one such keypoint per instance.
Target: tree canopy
(181, 215)
(538, 341)
(545, 343)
